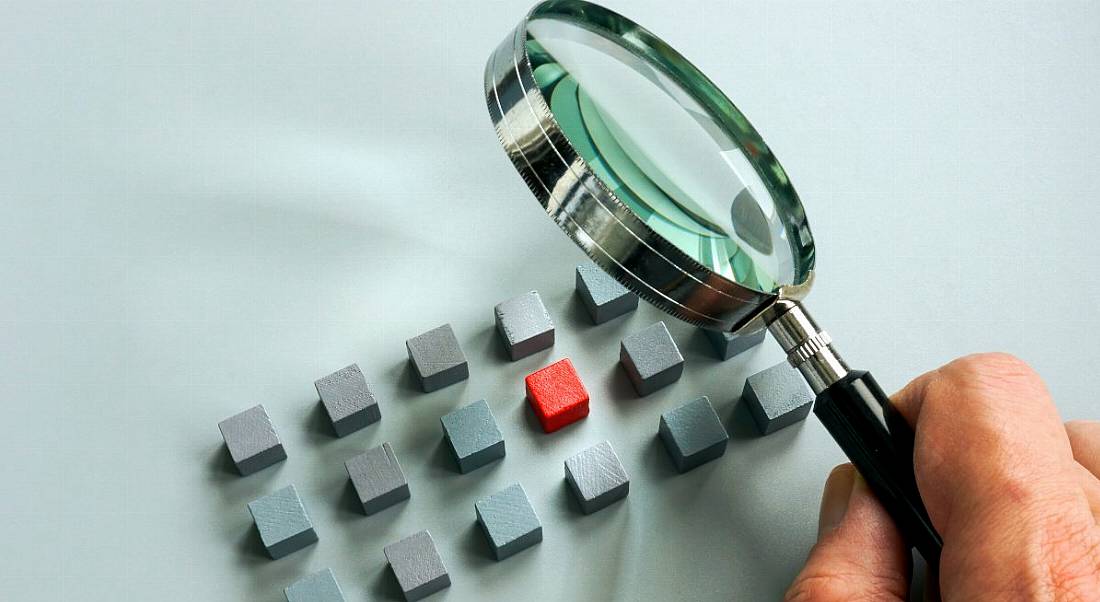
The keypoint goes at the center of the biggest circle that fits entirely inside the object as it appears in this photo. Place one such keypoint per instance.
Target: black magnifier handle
(879, 442)
(861, 418)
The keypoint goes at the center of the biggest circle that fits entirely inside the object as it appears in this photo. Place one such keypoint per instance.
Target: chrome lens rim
(609, 233)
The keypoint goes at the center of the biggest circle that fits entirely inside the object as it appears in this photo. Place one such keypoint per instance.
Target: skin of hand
(1013, 491)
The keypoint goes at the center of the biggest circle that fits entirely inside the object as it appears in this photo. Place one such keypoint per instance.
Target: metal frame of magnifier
(618, 241)
(854, 409)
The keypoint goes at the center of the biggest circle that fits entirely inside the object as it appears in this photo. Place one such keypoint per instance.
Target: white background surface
(208, 205)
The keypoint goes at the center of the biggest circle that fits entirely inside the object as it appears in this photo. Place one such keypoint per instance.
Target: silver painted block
(318, 587)
(524, 324)
(377, 478)
(777, 397)
(437, 358)
(727, 344)
(597, 477)
(693, 434)
(651, 359)
(473, 435)
(509, 521)
(252, 441)
(416, 563)
(602, 295)
(283, 522)
(348, 400)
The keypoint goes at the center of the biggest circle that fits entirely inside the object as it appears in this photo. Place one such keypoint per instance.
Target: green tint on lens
(691, 168)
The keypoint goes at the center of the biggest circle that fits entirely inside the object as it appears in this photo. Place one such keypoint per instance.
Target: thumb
(859, 554)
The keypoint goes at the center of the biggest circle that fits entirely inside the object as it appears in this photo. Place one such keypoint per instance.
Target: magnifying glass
(662, 181)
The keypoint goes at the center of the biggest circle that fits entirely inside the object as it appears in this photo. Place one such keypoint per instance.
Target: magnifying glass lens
(666, 156)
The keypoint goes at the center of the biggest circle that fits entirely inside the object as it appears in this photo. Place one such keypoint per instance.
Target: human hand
(1013, 492)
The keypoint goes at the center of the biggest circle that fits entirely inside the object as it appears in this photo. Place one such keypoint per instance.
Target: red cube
(557, 395)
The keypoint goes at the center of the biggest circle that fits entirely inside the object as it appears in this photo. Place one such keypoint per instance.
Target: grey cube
(252, 441)
(602, 295)
(348, 400)
(509, 521)
(318, 587)
(473, 435)
(651, 359)
(525, 325)
(377, 478)
(282, 521)
(693, 434)
(416, 563)
(597, 477)
(777, 397)
(437, 358)
(727, 344)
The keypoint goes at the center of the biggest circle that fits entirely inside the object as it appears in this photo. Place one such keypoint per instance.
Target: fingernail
(834, 500)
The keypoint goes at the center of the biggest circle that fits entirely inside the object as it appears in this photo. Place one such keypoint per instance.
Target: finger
(860, 554)
(1084, 438)
(984, 425)
(996, 472)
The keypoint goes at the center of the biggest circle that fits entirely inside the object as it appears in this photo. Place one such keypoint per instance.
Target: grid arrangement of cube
(437, 358)
(348, 400)
(282, 521)
(557, 395)
(777, 397)
(651, 359)
(602, 295)
(597, 477)
(416, 563)
(318, 587)
(377, 478)
(728, 344)
(473, 435)
(252, 441)
(693, 434)
(508, 520)
(524, 324)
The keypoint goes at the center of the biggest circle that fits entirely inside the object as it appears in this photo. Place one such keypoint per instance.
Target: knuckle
(982, 368)
(842, 587)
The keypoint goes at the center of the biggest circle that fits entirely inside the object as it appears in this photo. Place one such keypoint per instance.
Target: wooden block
(777, 397)
(693, 434)
(377, 478)
(651, 359)
(727, 344)
(252, 441)
(282, 521)
(602, 295)
(473, 435)
(318, 587)
(348, 400)
(524, 324)
(437, 358)
(557, 395)
(597, 477)
(509, 521)
(416, 563)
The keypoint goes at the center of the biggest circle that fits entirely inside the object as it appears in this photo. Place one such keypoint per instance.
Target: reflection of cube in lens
(749, 222)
